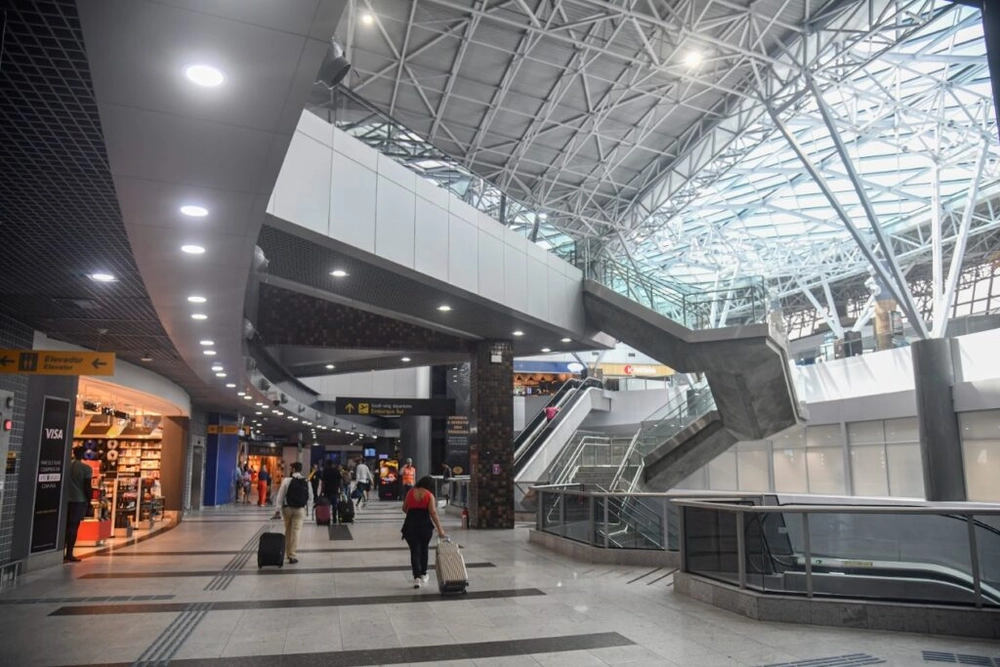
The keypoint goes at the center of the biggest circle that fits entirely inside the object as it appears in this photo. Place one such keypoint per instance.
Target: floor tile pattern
(352, 602)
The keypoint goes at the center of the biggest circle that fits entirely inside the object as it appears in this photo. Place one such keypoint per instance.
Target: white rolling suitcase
(449, 567)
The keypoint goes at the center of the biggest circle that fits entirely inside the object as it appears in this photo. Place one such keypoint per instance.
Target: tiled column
(491, 421)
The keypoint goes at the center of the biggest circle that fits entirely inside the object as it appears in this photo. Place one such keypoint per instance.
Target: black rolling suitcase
(345, 511)
(271, 550)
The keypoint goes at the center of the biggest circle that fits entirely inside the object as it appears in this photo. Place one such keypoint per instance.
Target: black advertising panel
(48, 484)
(395, 407)
(457, 444)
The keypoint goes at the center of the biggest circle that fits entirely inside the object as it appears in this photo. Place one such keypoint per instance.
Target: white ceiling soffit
(172, 143)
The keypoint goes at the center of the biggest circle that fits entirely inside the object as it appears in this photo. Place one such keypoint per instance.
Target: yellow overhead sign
(57, 362)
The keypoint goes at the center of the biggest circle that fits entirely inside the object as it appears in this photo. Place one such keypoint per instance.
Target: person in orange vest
(409, 477)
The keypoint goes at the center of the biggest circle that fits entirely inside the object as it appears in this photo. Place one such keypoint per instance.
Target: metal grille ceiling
(60, 215)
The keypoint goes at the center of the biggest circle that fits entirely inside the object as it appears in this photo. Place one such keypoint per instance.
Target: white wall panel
(396, 173)
(538, 288)
(459, 208)
(352, 148)
(430, 242)
(401, 383)
(490, 226)
(315, 127)
(462, 238)
(300, 191)
(978, 354)
(515, 239)
(491, 267)
(432, 193)
(558, 305)
(394, 222)
(352, 204)
(515, 278)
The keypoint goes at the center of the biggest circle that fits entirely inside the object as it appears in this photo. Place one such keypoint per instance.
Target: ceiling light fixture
(146, 357)
(367, 18)
(248, 397)
(230, 385)
(545, 349)
(518, 333)
(197, 299)
(241, 393)
(330, 367)
(217, 368)
(566, 340)
(102, 277)
(693, 59)
(220, 375)
(193, 249)
(206, 342)
(199, 316)
(339, 273)
(208, 353)
(444, 308)
(406, 358)
(194, 211)
(205, 76)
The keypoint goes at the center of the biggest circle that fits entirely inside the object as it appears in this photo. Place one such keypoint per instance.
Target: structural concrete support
(491, 426)
(415, 443)
(940, 439)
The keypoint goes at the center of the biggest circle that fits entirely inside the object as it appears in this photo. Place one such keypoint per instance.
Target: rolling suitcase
(271, 550)
(345, 511)
(323, 511)
(449, 567)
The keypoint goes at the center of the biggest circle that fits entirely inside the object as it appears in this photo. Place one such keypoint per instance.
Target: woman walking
(263, 479)
(418, 527)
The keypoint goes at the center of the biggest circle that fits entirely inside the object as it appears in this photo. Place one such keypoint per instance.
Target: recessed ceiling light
(146, 357)
(406, 358)
(218, 367)
(277, 412)
(248, 398)
(566, 340)
(220, 375)
(205, 75)
(230, 385)
(693, 59)
(444, 309)
(102, 277)
(207, 342)
(199, 316)
(339, 273)
(241, 393)
(518, 333)
(197, 299)
(194, 211)
(367, 18)
(208, 353)
(258, 413)
(545, 349)
(193, 249)
(330, 367)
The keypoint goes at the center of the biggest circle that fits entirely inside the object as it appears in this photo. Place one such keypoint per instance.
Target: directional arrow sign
(57, 362)
(396, 407)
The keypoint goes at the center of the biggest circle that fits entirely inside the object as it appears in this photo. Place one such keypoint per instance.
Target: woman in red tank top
(420, 506)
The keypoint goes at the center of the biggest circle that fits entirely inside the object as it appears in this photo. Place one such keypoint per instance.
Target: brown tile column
(491, 422)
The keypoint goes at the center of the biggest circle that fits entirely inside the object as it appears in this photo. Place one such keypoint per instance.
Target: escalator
(542, 440)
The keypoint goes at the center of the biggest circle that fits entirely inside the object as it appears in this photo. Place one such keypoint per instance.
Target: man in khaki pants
(294, 498)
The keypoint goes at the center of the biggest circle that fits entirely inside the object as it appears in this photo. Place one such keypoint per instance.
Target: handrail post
(562, 515)
(977, 584)
(666, 524)
(539, 511)
(808, 549)
(681, 538)
(591, 533)
(607, 502)
(741, 564)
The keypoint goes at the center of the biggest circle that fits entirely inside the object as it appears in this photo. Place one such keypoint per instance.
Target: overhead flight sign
(395, 407)
(57, 362)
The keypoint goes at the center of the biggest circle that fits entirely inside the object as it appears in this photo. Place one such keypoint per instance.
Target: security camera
(276, 403)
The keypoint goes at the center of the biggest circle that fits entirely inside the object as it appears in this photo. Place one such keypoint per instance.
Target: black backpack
(298, 493)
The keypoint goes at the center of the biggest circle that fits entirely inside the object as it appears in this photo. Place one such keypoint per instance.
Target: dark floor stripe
(415, 654)
(339, 532)
(285, 570)
(643, 576)
(242, 605)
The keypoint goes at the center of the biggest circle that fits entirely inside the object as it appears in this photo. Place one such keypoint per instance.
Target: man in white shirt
(294, 498)
(363, 476)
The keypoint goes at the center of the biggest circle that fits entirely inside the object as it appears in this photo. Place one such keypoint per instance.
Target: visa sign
(53, 434)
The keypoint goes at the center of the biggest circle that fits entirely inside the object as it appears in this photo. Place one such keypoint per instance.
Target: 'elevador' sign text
(57, 362)
(395, 407)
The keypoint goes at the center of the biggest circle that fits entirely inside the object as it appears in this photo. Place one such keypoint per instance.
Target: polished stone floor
(194, 596)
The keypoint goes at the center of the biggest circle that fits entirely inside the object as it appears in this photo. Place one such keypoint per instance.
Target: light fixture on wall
(335, 66)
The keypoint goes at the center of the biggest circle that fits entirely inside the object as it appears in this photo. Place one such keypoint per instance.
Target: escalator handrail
(527, 450)
(532, 428)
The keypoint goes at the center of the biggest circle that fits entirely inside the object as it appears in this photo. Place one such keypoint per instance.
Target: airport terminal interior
(500, 332)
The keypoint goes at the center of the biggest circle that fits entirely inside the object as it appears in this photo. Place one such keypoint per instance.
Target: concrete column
(883, 323)
(940, 439)
(415, 443)
(491, 437)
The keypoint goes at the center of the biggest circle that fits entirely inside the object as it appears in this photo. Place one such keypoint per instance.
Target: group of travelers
(247, 482)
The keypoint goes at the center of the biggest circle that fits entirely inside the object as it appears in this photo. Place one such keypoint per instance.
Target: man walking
(78, 495)
(294, 497)
(363, 477)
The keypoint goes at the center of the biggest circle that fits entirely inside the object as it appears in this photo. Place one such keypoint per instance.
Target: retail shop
(136, 444)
